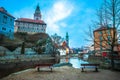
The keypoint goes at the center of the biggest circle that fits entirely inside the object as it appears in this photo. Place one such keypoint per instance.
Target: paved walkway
(63, 73)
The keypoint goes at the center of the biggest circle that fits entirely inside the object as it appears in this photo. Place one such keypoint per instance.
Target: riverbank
(11, 64)
(63, 73)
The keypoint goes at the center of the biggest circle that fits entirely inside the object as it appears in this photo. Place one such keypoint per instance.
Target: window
(100, 32)
(18, 27)
(10, 20)
(100, 45)
(109, 37)
(18, 23)
(108, 32)
(9, 30)
(3, 28)
(101, 38)
(4, 19)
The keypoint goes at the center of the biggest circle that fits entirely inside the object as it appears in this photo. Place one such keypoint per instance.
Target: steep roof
(30, 20)
(37, 10)
(2, 10)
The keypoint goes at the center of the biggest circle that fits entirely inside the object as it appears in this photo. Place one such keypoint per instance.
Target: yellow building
(103, 38)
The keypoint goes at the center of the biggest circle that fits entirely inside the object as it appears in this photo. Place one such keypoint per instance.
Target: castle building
(6, 23)
(31, 26)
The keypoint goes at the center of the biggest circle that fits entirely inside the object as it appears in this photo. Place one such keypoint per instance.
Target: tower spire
(37, 14)
(67, 39)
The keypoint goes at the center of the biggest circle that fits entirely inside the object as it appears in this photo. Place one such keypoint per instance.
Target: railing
(19, 58)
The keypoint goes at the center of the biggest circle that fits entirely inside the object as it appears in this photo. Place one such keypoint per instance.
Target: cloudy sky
(61, 16)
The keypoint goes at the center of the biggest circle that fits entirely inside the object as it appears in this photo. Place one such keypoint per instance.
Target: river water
(75, 61)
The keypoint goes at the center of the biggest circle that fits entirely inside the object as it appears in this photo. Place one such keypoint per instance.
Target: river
(75, 61)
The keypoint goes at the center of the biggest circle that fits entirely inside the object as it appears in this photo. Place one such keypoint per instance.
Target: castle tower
(67, 39)
(37, 14)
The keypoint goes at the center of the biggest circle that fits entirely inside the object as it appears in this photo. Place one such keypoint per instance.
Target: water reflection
(75, 61)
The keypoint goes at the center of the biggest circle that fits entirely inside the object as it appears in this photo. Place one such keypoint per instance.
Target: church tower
(67, 39)
(37, 14)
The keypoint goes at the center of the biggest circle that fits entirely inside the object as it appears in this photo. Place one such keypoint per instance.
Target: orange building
(103, 38)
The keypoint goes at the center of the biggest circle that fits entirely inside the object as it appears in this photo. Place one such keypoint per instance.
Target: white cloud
(58, 12)
(53, 16)
(63, 24)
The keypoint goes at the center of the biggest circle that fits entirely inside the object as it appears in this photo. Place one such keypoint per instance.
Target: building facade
(103, 38)
(6, 23)
(31, 26)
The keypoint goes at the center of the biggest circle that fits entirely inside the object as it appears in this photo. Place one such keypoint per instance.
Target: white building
(6, 23)
(62, 51)
(31, 26)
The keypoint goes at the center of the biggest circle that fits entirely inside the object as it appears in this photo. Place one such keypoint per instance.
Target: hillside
(29, 39)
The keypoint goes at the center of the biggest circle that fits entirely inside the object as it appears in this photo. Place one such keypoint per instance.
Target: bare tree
(57, 39)
(112, 16)
(109, 17)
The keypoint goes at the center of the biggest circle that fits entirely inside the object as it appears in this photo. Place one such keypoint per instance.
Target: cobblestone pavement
(63, 73)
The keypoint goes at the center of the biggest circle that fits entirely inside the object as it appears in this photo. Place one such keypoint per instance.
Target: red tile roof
(103, 28)
(5, 12)
(30, 20)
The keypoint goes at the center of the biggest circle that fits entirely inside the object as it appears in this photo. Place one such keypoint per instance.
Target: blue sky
(61, 16)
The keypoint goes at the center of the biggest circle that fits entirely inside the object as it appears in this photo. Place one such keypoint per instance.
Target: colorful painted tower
(67, 39)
